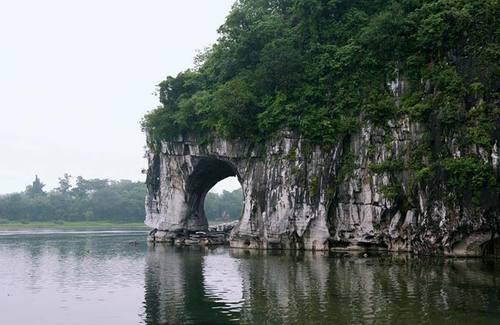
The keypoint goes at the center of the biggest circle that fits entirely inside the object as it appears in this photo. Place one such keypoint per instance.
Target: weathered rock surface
(215, 236)
(297, 195)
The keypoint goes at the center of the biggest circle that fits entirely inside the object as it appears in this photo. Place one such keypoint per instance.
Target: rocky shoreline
(217, 235)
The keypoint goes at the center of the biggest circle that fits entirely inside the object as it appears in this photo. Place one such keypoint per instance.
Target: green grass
(70, 225)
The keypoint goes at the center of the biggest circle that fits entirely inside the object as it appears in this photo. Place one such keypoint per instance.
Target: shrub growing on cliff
(468, 178)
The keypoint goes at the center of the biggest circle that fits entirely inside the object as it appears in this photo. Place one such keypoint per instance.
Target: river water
(103, 277)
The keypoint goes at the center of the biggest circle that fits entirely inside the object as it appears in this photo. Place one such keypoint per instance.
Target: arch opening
(224, 201)
(213, 207)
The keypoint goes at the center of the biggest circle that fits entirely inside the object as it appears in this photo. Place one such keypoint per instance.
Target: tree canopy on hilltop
(322, 67)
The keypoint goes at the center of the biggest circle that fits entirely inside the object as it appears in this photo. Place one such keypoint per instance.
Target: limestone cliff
(297, 195)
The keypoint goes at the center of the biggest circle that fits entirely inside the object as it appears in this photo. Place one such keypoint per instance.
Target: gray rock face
(297, 195)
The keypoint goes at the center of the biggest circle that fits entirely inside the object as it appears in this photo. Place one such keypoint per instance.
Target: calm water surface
(99, 277)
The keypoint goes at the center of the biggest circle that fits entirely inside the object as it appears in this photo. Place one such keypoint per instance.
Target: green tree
(36, 188)
(64, 184)
(225, 206)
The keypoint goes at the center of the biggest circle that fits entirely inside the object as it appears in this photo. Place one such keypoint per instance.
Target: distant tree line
(87, 200)
(225, 206)
(96, 200)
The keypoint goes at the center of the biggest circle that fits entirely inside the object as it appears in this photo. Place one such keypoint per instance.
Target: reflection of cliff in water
(187, 285)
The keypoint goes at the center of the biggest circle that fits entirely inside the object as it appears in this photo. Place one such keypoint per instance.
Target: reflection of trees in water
(302, 287)
(164, 286)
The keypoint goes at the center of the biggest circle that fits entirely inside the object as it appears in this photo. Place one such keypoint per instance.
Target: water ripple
(99, 277)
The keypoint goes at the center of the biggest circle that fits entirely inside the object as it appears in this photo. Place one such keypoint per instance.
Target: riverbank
(71, 225)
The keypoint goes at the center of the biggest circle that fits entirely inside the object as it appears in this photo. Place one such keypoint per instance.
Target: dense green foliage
(97, 200)
(226, 206)
(318, 65)
(326, 67)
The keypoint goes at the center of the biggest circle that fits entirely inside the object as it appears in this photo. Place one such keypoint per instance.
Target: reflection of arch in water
(223, 282)
(176, 288)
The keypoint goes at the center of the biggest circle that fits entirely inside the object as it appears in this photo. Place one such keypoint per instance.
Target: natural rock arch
(278, 210)
(180, 179)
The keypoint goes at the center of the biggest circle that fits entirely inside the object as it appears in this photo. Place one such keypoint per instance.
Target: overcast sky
(76, 76)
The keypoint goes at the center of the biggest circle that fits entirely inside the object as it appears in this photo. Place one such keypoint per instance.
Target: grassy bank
(70, 225)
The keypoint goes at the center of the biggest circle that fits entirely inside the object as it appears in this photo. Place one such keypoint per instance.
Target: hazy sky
(76, 76)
